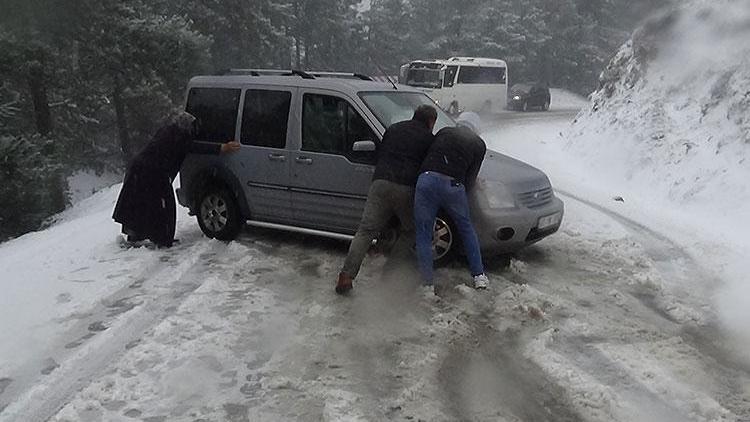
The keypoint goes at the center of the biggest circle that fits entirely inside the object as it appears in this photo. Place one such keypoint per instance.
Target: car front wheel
(219, 216)
(444, 241)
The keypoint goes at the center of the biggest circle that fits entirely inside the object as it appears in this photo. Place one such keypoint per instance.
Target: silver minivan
(309, 145)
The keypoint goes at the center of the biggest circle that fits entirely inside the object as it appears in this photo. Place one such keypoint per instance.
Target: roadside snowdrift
(670, 126)
(673, 110)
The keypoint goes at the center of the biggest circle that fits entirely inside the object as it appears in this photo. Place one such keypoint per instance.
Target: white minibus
(460, 83)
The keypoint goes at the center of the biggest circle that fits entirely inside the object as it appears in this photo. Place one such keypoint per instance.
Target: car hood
(516, 175)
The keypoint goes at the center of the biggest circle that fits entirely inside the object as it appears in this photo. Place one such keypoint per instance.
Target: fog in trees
(83, 84)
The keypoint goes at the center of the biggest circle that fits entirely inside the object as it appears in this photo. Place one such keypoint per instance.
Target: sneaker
(344, 283)
(481, 281)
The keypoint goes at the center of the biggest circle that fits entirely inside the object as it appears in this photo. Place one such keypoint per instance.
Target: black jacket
(457, 152)
(402, 151)
(168, 149)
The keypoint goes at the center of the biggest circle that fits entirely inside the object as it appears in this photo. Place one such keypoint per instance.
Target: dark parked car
(525, 96)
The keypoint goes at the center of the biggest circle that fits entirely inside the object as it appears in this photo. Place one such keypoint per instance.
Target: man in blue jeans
(447, 173)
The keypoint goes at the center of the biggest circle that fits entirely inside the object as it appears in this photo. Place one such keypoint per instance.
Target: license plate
(549, 220)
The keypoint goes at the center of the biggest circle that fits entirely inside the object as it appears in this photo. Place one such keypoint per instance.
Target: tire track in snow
(728, 373)
(38, 399)
(485, 375)
(673, 261)
(345, 364)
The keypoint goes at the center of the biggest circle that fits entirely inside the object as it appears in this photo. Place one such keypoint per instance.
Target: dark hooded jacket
(457, 152)
(146, 207)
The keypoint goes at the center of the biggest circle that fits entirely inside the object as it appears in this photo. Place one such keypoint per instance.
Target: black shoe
(134, 238)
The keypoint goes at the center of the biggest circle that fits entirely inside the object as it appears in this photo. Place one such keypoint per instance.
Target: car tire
(219, 216)
(445, 241)
(545, 106)
(525, 106)
(444, 232)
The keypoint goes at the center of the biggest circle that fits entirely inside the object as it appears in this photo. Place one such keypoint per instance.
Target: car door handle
(276, 157)
(304, 160)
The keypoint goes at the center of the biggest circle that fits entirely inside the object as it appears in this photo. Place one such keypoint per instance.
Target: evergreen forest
(85, 83)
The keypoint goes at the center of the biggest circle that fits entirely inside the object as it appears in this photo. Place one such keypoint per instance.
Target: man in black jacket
(400, 155)
(448, 172)
(146, 207)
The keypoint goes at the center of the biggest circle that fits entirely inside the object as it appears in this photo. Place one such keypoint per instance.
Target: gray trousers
(384, 200)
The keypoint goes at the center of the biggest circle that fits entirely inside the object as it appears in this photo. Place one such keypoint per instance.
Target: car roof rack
(342, 75)
(268, 72)
(295, 72)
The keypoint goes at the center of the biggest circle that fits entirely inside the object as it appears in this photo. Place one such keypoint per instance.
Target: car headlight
(517, 97)
(497, 194)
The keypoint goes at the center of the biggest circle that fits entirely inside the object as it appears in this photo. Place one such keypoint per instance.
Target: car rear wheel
(219, 216)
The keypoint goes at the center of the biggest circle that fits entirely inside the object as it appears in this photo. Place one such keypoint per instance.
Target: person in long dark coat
(146, 205)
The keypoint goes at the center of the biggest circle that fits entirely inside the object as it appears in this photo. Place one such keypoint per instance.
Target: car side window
(215, 110)
(358, 130)
(481, 75)
(264, 118)
(331, 125)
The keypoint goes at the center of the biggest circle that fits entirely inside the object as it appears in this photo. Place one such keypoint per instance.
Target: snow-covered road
(608, 320)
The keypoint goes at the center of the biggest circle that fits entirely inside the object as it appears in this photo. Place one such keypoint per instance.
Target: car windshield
(392, 107)
(424, 77)
(521, 87)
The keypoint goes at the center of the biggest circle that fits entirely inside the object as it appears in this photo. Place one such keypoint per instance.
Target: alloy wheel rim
(214, 213)
(442, 239)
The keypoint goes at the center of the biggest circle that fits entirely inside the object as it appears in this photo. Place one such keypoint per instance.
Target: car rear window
(216, 112)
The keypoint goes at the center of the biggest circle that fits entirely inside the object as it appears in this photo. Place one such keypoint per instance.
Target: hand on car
(229, 147)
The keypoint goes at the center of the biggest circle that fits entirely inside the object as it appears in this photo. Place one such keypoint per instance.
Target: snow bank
(565, 100)
(85, 183)
(670, 126)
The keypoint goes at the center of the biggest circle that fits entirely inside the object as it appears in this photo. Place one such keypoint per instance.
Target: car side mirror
(363, 146)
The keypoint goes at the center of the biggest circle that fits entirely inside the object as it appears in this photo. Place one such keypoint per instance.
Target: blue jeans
(436, 191)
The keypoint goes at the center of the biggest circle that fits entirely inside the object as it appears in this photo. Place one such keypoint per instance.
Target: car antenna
(384, 74)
